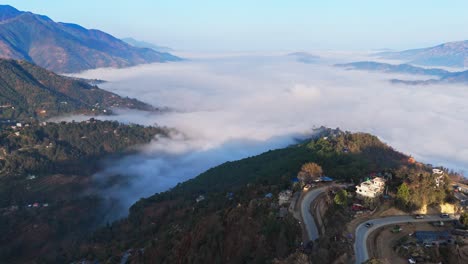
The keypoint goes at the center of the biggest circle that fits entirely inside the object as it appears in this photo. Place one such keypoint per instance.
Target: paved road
(362, 232)
(309, 222)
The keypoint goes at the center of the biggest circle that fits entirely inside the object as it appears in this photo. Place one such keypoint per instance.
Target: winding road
(309, 222)
(362, 232)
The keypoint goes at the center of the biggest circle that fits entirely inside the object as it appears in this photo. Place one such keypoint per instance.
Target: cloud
(232, 107)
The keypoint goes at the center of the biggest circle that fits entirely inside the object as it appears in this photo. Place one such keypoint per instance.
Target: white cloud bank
(236, 106)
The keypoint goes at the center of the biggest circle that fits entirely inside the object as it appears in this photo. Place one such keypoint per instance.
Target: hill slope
(444, 76)
(63, 47)
(144, 44)
(391, 68)
(235, 223)
(27, 90)
(451, 54)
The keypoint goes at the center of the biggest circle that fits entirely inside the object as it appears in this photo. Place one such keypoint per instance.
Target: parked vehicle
(396, 229)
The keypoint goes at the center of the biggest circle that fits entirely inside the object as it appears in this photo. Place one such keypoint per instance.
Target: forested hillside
(47, 196)
(236, 222)
(31, 92)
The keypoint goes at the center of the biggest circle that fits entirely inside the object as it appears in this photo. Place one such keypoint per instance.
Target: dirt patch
(381, 243)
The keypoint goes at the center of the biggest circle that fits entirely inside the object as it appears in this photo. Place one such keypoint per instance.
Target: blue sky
(255, 25)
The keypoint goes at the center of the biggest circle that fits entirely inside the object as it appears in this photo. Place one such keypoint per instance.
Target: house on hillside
(200, 198)
(284, 197)
(283, 212)
(433, 237)
(439, 176)
(371, 188)
(326, 179)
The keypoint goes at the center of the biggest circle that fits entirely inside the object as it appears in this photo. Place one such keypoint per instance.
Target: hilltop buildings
(371, 188)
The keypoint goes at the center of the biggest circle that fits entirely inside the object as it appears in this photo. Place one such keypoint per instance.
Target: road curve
(362, 232)
(309, 222)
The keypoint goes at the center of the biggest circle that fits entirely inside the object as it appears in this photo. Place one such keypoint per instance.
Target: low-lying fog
(231, 107)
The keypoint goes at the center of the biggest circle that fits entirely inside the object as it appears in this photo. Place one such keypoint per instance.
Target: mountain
(444, 76)
(304, 57)
(451, 54)
(27, 90)
(64, 47)
(392, 68)
(237, 221)
(144, 44)
(50, 167)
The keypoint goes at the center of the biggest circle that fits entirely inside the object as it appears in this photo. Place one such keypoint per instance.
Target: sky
(260, 25)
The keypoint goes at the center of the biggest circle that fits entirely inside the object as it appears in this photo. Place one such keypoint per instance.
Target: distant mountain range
(304, 57)
(28, 91)
(444, 76)
(392, 68)
(64, 47)
(451, 54)
(144, 44)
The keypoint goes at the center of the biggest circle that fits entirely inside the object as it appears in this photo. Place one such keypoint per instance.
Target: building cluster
(439, 176)
(371, 188)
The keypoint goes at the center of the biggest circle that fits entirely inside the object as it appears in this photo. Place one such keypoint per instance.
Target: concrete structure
(433, 237)
(200, 198)
(284, 197)
(371, 188)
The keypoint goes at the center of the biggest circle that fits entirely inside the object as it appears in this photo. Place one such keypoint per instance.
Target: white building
(200, 198)
(371, 188)
(439, 176)
(284, 197)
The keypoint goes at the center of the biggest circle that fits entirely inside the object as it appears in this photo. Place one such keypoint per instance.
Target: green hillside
(31, 92)
(235, 223)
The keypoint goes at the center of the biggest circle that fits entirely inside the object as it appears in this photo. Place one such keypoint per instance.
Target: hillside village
(210, 213)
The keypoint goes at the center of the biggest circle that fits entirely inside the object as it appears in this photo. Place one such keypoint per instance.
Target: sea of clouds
(228, 107)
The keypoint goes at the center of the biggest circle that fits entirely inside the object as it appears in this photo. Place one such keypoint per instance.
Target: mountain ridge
(66, 47)
(444, 75)
(29, 91)
(450, 54)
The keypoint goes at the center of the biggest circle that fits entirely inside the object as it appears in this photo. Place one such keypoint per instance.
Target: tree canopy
(309, 171)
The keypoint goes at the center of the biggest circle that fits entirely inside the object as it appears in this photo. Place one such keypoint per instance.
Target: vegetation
(419, 187)
(403, 195)
(341, 198)
(50, 165)
(309, 172)
(464, 219)
(30, 92)
(173, 227)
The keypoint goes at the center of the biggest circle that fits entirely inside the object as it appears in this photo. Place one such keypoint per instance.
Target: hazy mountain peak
(66, 47)
(450, 54)
(7, 12)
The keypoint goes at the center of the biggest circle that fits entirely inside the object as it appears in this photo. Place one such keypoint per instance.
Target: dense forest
(47, 195)
(31, 92)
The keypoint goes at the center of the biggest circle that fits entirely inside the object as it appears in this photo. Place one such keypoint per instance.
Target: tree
(403, 194)
(309, 171)
(341, 198)
(464, 219)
